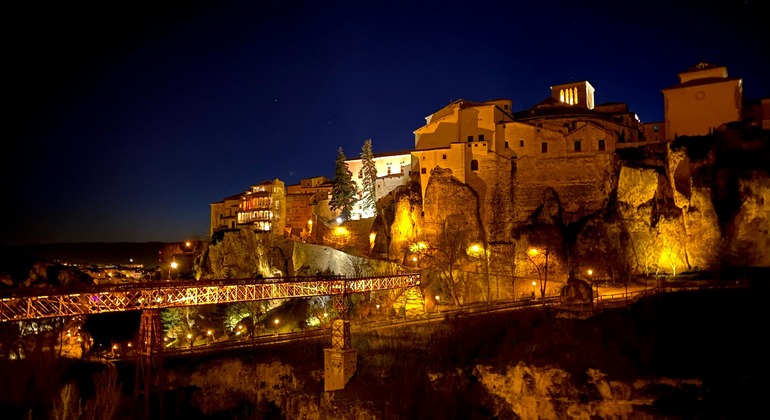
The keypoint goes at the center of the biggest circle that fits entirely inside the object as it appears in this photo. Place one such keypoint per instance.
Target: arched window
(474, 165)
(576, 95)
(561, 95)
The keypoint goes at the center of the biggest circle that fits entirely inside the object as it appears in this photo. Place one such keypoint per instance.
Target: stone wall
(583, 184)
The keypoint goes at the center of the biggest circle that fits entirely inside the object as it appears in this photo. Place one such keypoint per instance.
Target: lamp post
(190, 340)
(275, 327)
(534, 283)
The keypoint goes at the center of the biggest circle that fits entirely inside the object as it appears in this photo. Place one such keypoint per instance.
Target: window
(481, 137)
(505, 107)
(470, 138)
(388, 170)
(602, 146)
(423, 171)
(506, 144)
(543, 147)
(655, 128)
(443, 156)
(578, 146)
(474, 165)
(521, 143)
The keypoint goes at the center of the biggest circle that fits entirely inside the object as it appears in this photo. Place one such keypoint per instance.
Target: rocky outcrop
(245, 254)
(551, 393)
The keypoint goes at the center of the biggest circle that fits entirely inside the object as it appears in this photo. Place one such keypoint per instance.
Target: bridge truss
(47, 303)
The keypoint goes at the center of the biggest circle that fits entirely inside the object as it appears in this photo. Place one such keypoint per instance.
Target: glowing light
(189, 336)
(590, 272)
(533, 251)
(310, 222)
(174, 265)
(341, 231)
(276, 321)
(418, 247)
(209, 332)
(534, 284)
(339, 220)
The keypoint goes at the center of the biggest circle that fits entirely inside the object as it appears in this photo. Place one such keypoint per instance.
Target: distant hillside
(97, 252)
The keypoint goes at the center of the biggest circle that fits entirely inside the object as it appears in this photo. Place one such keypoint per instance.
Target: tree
(344, 190)
(446, 252)
(368, 175)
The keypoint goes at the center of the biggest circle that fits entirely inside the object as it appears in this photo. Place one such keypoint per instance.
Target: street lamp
(172, 266)
(534, 283)
(275, 326)
(438, 300)
(189, 338)
(210, 334)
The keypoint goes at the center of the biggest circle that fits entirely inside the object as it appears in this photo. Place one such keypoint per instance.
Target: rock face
(245, 254)
(550, 393)
(695, 204)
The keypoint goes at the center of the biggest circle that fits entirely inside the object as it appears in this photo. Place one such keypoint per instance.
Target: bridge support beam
(340, 359)
(149, 363)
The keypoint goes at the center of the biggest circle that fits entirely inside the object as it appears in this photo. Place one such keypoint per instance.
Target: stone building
(261, 208)
(224, 213)
(306, 203)
(393, 170)
(704, 99)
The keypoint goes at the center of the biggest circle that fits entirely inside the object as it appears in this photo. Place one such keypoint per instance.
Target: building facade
(393, 169)
(306, 203)
(704, 99)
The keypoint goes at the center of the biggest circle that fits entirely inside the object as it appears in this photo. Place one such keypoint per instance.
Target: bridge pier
(149, 363)
(340, 359)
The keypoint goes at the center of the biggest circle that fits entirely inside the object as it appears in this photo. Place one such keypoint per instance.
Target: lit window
(544, 147)
(602, 146)
(578, 146)
(561, 95)
(655, 128)
(474, 165)
(576, 95)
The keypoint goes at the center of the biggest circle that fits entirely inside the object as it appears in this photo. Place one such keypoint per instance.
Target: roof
(704, 81)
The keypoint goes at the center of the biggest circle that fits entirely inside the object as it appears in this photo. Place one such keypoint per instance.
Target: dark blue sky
(128, 119)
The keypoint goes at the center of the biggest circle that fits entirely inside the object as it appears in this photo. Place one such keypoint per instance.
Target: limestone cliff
(245, 254)
(695, 204)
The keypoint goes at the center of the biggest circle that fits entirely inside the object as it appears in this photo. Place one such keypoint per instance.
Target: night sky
(129, 118)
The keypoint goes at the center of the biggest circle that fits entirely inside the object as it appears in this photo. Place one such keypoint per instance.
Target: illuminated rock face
(696, 204)
(549, 393)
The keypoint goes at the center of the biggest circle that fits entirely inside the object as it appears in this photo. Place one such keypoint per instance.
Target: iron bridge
(37, 303)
